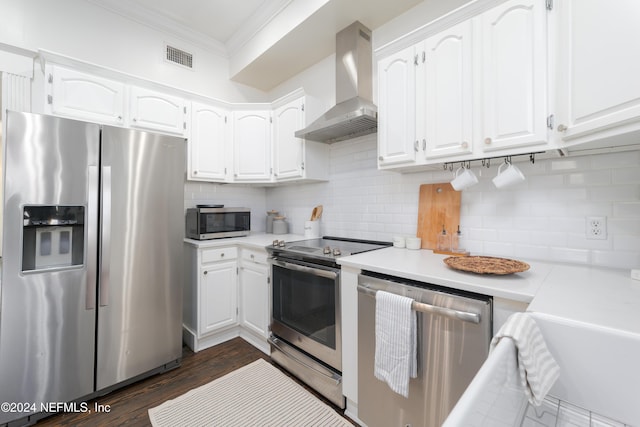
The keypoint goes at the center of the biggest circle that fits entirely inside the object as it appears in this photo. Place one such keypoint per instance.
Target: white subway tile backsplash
(543, 218)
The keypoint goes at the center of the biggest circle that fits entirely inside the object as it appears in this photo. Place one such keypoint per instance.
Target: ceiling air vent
(178, 56)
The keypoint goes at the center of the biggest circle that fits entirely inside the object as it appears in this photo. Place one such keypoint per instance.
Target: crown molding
(152, 19)
(256, 22)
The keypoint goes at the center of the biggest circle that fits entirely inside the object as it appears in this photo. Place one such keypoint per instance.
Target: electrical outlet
(596, 227)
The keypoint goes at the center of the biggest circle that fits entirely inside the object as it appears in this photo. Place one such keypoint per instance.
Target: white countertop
(253, 240)
(602, 297)
(425, 266)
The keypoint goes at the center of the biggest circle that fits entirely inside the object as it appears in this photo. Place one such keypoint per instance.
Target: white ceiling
(227, 27)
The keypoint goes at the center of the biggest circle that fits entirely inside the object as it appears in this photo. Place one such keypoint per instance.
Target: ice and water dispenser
(53, 237)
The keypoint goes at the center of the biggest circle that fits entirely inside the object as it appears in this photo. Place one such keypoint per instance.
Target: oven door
(306, 308)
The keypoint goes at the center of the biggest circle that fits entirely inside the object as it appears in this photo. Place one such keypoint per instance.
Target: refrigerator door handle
(105, 272)
(92, 237)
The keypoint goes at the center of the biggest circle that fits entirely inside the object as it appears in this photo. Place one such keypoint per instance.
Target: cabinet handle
(488, 141)
(562, 128)
(416, 146)
(424, 56)
(424, 144)
(415, 60)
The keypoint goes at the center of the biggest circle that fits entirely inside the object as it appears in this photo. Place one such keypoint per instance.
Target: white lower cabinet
(255, 297)
(218, 296)
(226, 295)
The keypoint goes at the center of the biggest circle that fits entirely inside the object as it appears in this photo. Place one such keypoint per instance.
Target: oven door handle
(329, 274)
(330, 375)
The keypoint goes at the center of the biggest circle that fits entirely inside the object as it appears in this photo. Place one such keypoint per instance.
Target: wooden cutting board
(438, 204)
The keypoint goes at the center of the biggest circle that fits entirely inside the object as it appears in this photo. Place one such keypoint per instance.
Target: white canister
(312, 229)
(280, 226)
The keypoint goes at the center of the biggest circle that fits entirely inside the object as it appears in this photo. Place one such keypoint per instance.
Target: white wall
(85, 31)
(542, 218)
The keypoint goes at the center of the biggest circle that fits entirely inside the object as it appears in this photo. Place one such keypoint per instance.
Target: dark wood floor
(129, 405)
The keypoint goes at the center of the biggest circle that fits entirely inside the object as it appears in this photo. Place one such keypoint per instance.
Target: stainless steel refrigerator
(91, 292)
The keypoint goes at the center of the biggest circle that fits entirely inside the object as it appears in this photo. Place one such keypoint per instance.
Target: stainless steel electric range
(305, 322)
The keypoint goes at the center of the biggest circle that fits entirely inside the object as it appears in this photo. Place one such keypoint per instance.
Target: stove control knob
(281, 243)
(336, 252)
(326, 250)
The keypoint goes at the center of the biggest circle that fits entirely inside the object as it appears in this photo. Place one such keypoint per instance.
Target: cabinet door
(218, 296)
(85, 97)
(514, 61)
(208, 143)
(254, 298)
(397, 108)
(445, 82)
(598, 71)
(288, 151)
(158, 111)
(252, 145)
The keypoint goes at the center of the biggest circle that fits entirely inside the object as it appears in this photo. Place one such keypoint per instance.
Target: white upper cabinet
(209, 144)
(514, 71)
(445, 93)
(252, 145)
(83, 96)
(476, 89)
(288, 151)
(397, 142)
(598, 70)
(295, 158)
(157, 111)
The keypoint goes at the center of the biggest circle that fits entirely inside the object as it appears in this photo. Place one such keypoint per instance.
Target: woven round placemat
(486, 264)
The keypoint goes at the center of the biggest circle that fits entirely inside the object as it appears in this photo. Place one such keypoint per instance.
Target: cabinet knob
(205, 272)
(465, 145)
(222, 255)
(562, 128)
(487, 141)
(135, 120)
(119, 118)
(195, 172)
(252, 256)
(381, 158)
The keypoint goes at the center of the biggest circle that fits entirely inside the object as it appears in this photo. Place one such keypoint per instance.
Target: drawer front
(253, 255)
(219, 254)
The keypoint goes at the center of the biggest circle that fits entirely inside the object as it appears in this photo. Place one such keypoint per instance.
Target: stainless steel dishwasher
(454, 331)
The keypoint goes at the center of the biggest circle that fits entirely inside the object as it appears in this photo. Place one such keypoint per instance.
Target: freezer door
(142, 223)
(47, 317)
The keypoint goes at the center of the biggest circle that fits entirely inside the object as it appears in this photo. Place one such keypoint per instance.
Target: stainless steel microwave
(217, 222)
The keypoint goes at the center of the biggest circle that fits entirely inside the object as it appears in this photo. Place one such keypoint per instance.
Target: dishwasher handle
(465, 316)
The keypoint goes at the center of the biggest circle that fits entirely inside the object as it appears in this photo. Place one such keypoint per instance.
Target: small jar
(444, 241)
(270, 215)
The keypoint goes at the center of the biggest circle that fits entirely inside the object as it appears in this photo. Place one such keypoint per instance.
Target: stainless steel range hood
(354, 114)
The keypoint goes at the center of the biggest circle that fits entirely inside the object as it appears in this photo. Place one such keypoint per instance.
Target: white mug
(509, 176)
(464, 178)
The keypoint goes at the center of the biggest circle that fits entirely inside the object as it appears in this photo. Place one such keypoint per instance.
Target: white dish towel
(537, 367)
(395, 358)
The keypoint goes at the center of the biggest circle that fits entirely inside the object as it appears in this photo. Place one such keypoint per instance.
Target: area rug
(255, 395)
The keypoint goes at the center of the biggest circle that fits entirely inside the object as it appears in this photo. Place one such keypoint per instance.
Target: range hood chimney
(354, 114)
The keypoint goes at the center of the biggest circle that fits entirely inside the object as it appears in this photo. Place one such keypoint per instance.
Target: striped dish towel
(538, 370)
(395, 356)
